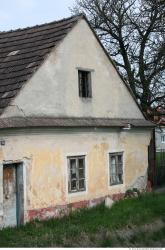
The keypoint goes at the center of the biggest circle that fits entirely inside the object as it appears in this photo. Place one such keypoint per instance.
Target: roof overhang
(40, 122)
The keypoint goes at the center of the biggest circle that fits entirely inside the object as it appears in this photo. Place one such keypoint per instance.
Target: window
(85, 89)
(116, 168)
(76, 171)
(163, 138)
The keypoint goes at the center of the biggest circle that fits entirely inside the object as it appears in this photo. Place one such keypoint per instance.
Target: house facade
(71, 131)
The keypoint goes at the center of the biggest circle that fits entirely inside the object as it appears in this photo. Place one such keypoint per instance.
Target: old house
(71, 131)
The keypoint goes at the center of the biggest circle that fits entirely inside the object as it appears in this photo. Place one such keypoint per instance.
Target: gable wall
(53, 90)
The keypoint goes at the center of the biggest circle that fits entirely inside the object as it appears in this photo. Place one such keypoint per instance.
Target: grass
(98, 226)
(149, 239)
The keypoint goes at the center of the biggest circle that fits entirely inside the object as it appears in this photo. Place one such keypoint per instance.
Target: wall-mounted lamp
(127, 126)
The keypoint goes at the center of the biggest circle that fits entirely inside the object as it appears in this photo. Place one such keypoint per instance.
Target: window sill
(86, 99)
(116, 186)
(77, 193)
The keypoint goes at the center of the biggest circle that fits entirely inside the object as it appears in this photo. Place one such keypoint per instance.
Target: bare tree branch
(133, 33)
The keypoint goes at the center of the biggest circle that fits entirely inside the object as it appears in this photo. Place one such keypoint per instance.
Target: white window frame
(123, 167)
(79, 193)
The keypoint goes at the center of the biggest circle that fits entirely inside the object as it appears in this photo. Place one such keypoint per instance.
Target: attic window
(13, 53)
(85, 88)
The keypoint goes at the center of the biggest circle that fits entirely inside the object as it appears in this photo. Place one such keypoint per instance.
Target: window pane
(120, 159)
(120, 178)
(116, 168)
(117, 179)
(113, 179)
(82, 184)
(81, 173)
(73, 185)
(84, 83)
(113, 169)
(73, 173)
(112, 160)
(120, 168)
(73, 169)
(81, 162)
(89, 85)
(76, 168)
(72, 163)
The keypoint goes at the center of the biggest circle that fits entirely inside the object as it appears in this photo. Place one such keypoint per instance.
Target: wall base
(61, 210)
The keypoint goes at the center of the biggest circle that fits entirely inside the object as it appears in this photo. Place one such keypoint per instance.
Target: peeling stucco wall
(140, 182)
(45, 154)
(53, 90)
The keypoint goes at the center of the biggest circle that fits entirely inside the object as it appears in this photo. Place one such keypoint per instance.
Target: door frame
(17, 163)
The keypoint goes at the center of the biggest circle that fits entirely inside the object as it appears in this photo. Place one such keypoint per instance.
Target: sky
(23, 13)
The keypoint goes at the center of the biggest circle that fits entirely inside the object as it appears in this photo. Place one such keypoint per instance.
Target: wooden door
(9, 196)
(13, 195)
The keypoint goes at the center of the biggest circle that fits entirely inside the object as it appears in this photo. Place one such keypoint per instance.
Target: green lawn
(129, 223)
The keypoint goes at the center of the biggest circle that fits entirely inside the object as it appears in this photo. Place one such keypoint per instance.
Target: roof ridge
(42, 25)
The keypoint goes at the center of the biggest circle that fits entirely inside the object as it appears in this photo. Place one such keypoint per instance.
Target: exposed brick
(117, 197)
(60, 210)
(78, 205)
(96, 201)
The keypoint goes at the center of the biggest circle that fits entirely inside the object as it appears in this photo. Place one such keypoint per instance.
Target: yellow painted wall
(45, 154)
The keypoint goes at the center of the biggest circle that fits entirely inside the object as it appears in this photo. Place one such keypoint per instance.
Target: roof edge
(43, 24)
(73, 122)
